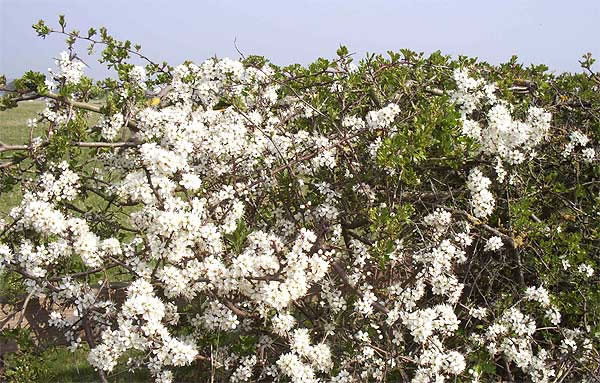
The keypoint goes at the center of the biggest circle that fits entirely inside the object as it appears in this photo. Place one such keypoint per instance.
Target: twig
(342, 274)
(106, 144)
(24, 308)
(90, 340)
(238, 49)
(238, 311)
(81, 144)
(4, 147)
(475, 221)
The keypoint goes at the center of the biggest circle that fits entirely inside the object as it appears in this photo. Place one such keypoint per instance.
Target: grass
(56, 364)
(65, 366)
(13, 122)
(14, 131)
(9, 200)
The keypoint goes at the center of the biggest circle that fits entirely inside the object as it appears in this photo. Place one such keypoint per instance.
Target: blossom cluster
(482, 201)
(69, 69)
(499, 135)
(141, 328)
(382, 118)
(579, 139)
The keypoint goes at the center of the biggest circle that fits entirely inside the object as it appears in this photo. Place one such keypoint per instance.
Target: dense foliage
(407, 218)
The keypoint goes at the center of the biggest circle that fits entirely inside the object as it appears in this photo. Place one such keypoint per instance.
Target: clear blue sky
(552, 32)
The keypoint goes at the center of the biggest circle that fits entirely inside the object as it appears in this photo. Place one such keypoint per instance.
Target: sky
(552, 32)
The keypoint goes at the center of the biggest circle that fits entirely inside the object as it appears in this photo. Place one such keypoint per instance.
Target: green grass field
(14, 131)
(13, 122)
(56, 364)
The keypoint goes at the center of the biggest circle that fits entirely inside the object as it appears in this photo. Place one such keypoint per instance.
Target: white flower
(479, 312)
(283, 323)
(493, 244)
(586, 270)
(191, 181)
(244, 371)
(553, 315)
(589, 154)
(70, 70)
(382, 118)
(138, 76)
(291, 365)
(439, 220)
(162, 161)
(219, 317)
(538, 294)
(483, 201)
(111, 126)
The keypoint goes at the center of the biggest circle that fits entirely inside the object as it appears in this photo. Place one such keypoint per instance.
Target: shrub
(407, 218)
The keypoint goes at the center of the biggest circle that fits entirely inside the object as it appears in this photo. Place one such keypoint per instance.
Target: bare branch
(477, 222)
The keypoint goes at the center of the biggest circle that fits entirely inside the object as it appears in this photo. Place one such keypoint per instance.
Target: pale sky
(552, 32)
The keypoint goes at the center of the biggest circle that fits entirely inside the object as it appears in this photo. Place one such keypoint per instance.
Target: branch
(434, 91)
(103, 42)
(75, 104)
(237, 311)
(475, 221)
(106, 144)
(90, 340)
(342, 274)
(7, 164)
(38, 280)
(59, 98)
(24, 308)
(83, 273)
(316, 152)
(4, 147)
